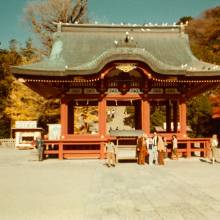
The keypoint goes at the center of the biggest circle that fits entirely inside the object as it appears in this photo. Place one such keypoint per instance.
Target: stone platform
(87, 189)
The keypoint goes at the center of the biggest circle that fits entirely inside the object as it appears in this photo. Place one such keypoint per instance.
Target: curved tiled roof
(86, 49)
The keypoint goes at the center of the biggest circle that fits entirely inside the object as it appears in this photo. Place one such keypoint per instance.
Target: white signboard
(54, 131)
(26, 124)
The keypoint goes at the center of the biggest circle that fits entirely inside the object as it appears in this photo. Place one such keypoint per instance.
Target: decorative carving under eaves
(126, 67)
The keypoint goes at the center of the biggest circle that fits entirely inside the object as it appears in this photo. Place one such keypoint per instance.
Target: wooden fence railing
(186, 148)
(191, 146)
(7, 142)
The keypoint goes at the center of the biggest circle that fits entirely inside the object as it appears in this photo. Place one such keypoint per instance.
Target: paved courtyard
(86, 189)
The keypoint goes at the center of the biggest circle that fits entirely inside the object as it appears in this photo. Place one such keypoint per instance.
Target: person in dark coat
(40, 148)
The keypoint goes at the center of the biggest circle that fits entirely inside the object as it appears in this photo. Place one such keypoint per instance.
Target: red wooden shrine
(100, 70)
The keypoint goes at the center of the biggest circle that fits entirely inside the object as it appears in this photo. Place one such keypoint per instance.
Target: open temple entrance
(123, 115)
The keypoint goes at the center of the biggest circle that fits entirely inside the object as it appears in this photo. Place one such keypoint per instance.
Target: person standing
(141, 150)
(149, 142)
(174, 154)
(214, 145)
(155, 148)
(111, 152)
(161, 150)
(113, 113)
(40, 148)
(165, 145)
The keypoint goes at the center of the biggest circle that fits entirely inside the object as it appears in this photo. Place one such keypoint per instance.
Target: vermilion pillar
(102, 124)
(64, 117)
(64, 125)
(183, 125)
(145, 119)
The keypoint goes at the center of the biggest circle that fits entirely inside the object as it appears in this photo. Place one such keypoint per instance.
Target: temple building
(111, 77)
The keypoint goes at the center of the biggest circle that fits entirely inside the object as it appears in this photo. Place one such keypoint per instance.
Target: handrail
(186, 146)
(7, 142)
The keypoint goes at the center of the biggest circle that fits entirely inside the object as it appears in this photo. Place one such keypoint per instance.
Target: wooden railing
(94, 148)
(7, 142)
(187, 147)
(76, 148)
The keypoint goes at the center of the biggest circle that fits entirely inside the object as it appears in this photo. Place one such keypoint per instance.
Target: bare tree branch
(41, 15)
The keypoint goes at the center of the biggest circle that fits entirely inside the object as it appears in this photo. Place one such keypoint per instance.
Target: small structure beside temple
(25, 132)
(111, 77)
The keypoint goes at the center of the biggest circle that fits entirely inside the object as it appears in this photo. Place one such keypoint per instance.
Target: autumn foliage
(204, 34)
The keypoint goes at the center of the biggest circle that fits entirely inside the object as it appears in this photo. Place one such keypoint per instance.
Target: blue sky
(106, 11)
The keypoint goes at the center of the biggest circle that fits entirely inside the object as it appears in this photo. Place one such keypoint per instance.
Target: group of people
(149, 149)
(153, 149)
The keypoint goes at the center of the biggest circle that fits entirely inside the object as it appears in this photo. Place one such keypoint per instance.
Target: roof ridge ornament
(128, 41)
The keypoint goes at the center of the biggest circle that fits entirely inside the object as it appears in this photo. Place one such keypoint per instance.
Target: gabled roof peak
(165, 27)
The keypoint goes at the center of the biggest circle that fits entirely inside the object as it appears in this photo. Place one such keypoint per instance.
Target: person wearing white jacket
(214, 145)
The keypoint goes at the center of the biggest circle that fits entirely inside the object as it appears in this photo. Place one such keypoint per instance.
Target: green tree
(184, 20)
(157, 117)
(29, 53)
(199, 116)
(50, 113)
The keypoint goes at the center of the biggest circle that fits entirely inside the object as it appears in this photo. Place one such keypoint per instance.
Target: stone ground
(86, 189)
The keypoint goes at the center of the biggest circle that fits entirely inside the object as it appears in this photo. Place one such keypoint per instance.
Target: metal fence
(7, 142)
